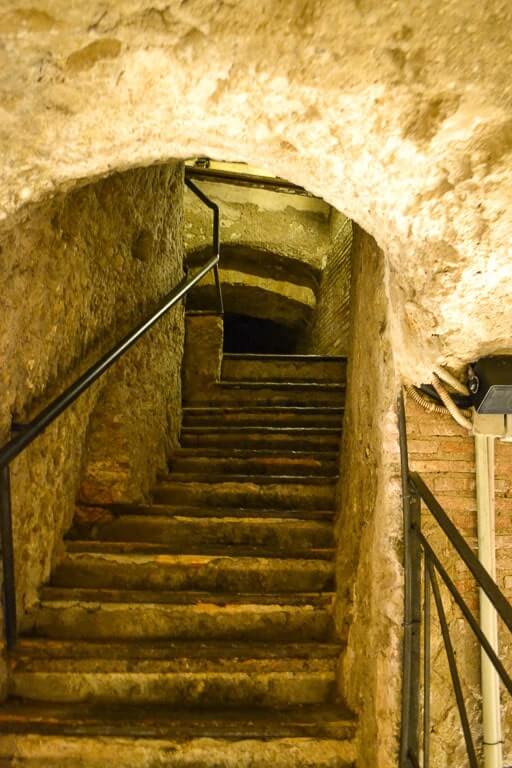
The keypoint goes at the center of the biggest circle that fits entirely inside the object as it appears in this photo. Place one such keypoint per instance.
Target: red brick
(444, 465)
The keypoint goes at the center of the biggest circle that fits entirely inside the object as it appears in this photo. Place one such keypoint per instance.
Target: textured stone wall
(369, 525)
(77, 272)
(443, 453)
(329, 333)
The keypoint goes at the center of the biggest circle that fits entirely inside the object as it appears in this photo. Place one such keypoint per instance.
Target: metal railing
(27, 433)
(422, 564)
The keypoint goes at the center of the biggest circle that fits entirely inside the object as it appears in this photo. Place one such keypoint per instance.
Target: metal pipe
(8, 581)
(491, 715)
(16, 445)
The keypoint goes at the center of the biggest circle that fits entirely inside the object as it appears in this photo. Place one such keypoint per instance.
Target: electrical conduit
(491, 715)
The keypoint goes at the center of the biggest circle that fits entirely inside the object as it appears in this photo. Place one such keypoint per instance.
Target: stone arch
(258, 283)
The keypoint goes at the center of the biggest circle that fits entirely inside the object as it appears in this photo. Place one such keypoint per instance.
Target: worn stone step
(263, 416)
(254, 453)
(202, 683)
(318, 439)
(253, 463)
(89, 512)
(184, 683)
(316, 721)
(94, 620)
(179, 531)
(43, 648)
(173, 597)
(226, 550)
(218, 573)
(247, 494)
(36, 751)
(272, 393)
(264, 479)
(309, 368)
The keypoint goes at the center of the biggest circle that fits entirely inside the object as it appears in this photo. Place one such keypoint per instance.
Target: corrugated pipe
(454, 411)
(428, 405)
(450, 379)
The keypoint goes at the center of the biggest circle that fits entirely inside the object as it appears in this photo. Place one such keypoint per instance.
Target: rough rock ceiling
(398, 114)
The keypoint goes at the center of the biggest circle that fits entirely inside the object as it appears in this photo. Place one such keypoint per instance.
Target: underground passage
(256, 460)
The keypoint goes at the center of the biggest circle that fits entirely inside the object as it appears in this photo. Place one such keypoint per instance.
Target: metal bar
(459, 696)
(216, 237)
(426, 663)
(473, 623)
(493, 592)
(14, 447)
(268, 183)
(412, 586)
(218, 288)
(8, 576)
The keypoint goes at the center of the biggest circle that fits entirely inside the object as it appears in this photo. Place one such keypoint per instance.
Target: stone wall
(369, 526)
(78, 271)
(443, 453)
(329, 333)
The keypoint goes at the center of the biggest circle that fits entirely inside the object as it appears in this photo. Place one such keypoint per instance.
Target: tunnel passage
(243, 333)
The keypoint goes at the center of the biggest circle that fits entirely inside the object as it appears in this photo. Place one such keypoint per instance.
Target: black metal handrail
(27, 433)
(216, 236)
(416, 549)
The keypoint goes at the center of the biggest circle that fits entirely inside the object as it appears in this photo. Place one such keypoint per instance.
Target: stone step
(247, 494)
(36, 751)
(160, 551)
(253, 462)
(317, 721)
(288, 368)
(263, 416)
(313, 439)
(252, 621)
(218, 573)
(273, 393)
(173, 597)
(43, 648)
(205, 683)
(264, 479)
(87, 512)
(208, 531)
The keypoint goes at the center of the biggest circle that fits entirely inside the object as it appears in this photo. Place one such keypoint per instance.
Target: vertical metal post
(216, 238)
(220, 303)
(412, 605)
(8, 577)
(426, 663)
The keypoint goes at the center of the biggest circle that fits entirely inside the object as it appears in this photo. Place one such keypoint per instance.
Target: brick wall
(329, 331)
(443, 453)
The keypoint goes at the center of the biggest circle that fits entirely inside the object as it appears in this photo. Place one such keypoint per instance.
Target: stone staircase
(196, 631)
